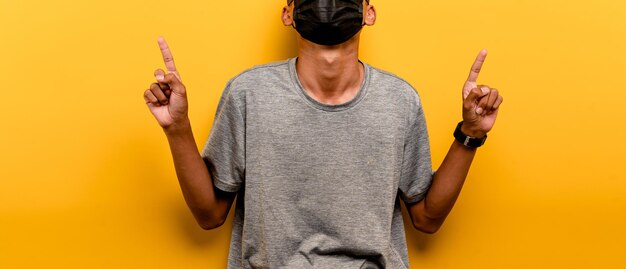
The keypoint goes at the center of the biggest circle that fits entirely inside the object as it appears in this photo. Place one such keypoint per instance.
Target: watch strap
(466, 140)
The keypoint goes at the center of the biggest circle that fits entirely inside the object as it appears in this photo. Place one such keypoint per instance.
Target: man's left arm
(480, 109)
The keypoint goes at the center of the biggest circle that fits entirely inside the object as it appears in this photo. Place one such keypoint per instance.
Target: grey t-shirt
(319, 186)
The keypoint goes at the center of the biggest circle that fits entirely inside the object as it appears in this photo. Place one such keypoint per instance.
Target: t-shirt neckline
(326, 107)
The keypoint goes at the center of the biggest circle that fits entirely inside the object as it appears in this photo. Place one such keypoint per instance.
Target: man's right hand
(167, 97)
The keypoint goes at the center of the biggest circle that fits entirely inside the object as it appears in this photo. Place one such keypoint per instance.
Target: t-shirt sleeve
(224, 150)
(417, 172)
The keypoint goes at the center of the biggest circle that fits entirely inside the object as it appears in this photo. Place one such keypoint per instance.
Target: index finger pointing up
(478, 64)
(167, 55)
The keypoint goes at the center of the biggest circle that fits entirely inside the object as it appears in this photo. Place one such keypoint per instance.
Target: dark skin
(167, 100)
(331, 75)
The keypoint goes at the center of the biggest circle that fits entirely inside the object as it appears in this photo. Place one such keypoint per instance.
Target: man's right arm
(209, 205)
(167, 101)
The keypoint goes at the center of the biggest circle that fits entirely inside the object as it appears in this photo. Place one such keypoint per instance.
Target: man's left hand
(480, 102)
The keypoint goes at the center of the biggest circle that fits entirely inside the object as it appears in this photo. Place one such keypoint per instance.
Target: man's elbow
(210, 221)
(209, 225)
(428, 229)
(427, 226)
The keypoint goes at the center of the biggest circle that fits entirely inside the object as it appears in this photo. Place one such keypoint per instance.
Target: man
(319, 150)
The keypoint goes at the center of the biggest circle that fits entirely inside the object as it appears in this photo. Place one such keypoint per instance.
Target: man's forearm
(193, 175)
(448, 180)
(430, 212)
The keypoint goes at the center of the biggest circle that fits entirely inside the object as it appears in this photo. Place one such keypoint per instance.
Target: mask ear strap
(361, 12)
(293, 20)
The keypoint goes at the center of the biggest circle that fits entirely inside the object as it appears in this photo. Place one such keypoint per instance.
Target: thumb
(473, 97)
(174, 83)
(475, 94)
(159, 74)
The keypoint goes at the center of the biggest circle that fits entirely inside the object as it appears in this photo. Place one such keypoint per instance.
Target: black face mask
(328, 22)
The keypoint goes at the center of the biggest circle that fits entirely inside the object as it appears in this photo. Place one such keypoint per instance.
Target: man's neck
(331, 75)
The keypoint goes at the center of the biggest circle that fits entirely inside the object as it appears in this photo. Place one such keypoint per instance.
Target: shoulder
(251, 78)
(396, 86)
(261, 73)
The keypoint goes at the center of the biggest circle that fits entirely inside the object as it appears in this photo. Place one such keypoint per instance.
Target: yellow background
(88, 180)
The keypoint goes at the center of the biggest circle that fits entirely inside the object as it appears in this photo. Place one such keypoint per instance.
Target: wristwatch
(466, 140)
